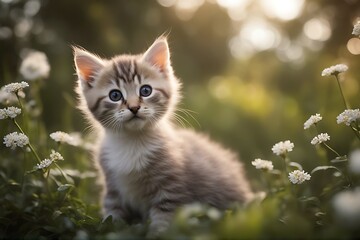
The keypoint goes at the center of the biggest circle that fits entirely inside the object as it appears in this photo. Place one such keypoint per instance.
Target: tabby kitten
(150, 166)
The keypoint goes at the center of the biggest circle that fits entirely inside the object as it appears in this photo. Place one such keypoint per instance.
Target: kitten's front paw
(155, 230)
(115, 215)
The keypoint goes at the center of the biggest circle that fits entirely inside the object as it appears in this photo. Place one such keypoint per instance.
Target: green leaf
(275, 172)
(339, 159)
(323, 168)
(56, 214)
(296, 165)
(12, 182)
(65, 187)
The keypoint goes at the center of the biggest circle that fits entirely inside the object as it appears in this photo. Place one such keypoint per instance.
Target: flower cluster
(312, 120)
(55, 156)
(347, 205)
(8, 98)
(263, 164)
(10, 112)
(15, 87)
(334, 70)
(62, 137)
(15, 139)
(356, 30)
(298, 177)
(322, 137)
(354, 161)
(35, 66)
(44, 164)
(348, 116)
(282, 148)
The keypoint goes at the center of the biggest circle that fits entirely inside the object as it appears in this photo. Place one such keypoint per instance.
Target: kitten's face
(128, 92)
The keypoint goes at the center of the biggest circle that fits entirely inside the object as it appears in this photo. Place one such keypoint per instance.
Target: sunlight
(232, 3)
(317, 29)
(290, 52)
(260, 34)
(252, 97)
(254, 36)
(353, 46)
(235, 8)
(166, 3)
(282, 9)
(185, 9)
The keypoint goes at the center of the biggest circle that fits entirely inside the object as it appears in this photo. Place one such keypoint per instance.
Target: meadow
(295, 124)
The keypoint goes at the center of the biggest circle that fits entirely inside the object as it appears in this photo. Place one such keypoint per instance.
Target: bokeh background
(251, 69)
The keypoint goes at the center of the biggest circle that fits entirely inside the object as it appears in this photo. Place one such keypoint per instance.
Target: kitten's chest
(122, 156)
(127, 165)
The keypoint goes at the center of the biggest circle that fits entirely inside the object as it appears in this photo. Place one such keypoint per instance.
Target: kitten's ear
(158, 54)
(87, 65)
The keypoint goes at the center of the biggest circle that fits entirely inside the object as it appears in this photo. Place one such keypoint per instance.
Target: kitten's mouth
(134, 118)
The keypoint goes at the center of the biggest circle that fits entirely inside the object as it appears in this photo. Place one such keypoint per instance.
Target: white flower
(348, 116)
(15, 87)
(8, 98)
(62, 137)
(35, 66)
(298, 177)
(322, 137)
(3, 114)
(312, 120)
(13, 140)
(191, 209)
(10, 112)
(55, 156)
(354, 161)
(76, 139)
(356, 30)
(282, 148)
(334, 70)
(347, 206)
(44, 164)
(213, 213)
(262, 164)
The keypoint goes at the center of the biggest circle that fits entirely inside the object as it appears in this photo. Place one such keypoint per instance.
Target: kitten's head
(127, 92)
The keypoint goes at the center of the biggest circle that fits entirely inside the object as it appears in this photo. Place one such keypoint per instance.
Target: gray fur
(151, 167)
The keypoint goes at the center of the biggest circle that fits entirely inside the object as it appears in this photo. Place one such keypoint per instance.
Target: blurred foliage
(247, 103)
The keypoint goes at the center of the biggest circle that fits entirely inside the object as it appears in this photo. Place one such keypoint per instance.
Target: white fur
(127, 152)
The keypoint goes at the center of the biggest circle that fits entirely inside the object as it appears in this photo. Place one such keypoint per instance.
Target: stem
(18, 98)
(29, 144)
(285, 170)
(62, 172)
(356, 132)
(342, 94)
(331, 149)
(47, 184)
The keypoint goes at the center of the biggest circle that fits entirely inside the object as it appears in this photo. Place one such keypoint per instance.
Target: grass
(59, 199)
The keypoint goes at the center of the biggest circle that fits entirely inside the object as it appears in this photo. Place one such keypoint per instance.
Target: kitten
(150, 166)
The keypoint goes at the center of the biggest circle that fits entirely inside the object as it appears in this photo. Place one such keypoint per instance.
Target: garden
(276, 82)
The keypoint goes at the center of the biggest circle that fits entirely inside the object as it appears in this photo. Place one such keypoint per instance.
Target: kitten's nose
(134, 110)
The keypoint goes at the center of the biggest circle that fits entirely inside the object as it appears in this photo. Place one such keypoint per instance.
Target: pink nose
(134, 110)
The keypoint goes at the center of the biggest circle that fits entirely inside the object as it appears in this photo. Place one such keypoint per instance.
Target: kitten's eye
(145, 91)
(115, 95)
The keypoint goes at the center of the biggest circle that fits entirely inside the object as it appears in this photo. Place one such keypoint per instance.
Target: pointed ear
(87, 65)
(158, 55)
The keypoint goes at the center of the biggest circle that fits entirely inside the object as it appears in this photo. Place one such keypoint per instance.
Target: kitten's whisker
(187, 113)
(183, 118)
(187, 110)
(180, 120)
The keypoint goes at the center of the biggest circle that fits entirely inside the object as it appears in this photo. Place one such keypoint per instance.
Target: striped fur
(150, 166)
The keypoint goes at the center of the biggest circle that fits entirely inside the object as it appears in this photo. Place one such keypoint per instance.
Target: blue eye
(145, 91)
(115, 95)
